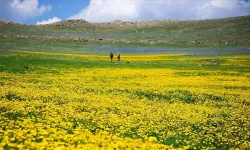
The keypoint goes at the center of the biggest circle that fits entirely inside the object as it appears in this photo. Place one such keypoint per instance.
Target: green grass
(17, 62)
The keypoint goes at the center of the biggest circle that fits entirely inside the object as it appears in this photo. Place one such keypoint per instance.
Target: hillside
(229, 30)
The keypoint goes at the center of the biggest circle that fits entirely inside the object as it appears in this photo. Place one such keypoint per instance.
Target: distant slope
(208, 32)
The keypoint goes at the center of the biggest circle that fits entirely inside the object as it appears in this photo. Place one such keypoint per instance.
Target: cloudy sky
(48, 11)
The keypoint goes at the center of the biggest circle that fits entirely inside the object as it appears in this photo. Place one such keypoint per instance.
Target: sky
(49, 11)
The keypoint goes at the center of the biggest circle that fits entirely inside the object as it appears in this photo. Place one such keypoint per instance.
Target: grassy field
(146, 101)
(191, 90)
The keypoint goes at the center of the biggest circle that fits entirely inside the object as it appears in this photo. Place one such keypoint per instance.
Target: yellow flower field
(65, 107)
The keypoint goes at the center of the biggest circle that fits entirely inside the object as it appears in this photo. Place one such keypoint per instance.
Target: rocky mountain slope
(226, 31)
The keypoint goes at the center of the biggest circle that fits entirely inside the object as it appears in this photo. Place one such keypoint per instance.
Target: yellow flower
(152, 139)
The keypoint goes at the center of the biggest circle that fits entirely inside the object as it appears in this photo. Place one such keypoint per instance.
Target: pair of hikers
(118, 56)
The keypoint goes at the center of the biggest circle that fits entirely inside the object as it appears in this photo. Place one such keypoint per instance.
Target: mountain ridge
(143, 23)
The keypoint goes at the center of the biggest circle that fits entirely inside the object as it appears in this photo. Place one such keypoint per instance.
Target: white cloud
(109, 10)
(18, 10)
(52, 20)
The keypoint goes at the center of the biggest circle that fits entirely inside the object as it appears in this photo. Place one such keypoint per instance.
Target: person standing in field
(118, 56)
(111, 56)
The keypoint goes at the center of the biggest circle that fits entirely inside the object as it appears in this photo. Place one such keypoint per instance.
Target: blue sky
(60, 8)
(49, 11)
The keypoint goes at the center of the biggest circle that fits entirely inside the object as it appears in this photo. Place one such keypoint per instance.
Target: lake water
(188, 51)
